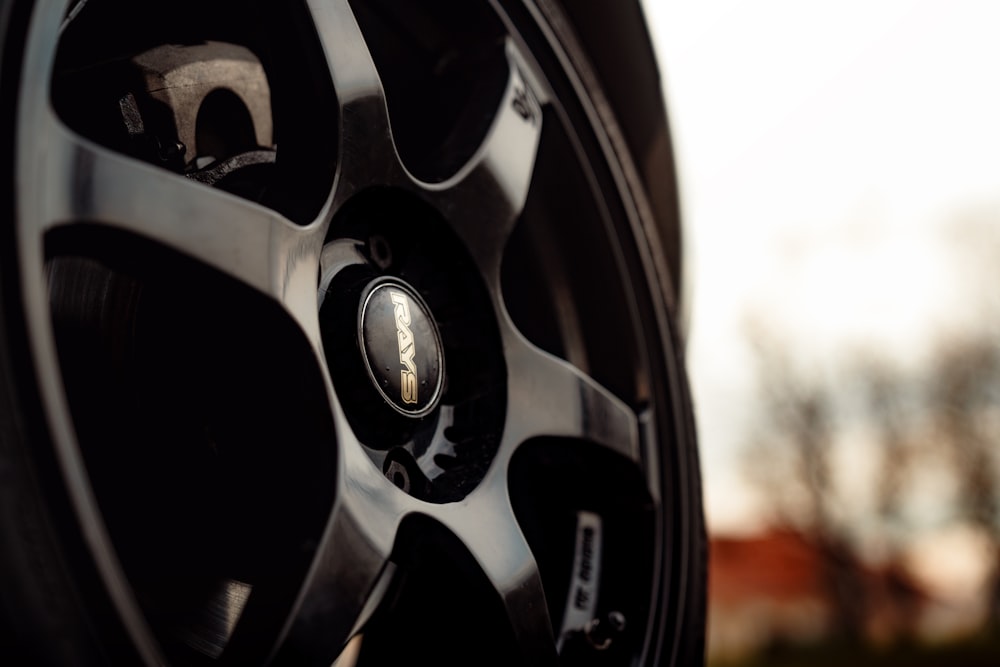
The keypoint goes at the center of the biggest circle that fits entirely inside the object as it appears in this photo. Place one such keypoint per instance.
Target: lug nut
(601, 632)
(397, 474)
(380, 251)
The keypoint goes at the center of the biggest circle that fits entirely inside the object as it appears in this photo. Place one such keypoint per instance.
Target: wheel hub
(412, 343)
(401, 347)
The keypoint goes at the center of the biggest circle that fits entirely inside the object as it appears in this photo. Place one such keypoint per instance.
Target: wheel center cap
(402, 348)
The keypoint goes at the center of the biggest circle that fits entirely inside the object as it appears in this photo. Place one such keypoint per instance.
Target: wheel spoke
(244, 240)
(349, 575)
(367, 152)
(343, 585)
(506, 559)
(548, 396)
(351, 567)
(485, 198)
(340, 592)
(336, 257)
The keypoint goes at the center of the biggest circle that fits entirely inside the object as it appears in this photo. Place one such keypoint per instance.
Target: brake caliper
(202, 110)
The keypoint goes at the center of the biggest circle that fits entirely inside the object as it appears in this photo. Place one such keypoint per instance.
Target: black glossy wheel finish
(401, 381)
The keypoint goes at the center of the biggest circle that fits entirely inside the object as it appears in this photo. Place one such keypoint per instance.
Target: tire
(337, 329)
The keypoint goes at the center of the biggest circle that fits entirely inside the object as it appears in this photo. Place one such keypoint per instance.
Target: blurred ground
(978, 651)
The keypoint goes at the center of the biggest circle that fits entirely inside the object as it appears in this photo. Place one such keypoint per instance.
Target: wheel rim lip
(438, 354)
(36, 67)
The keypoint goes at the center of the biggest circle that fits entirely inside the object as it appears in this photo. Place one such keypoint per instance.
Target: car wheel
(333, 331)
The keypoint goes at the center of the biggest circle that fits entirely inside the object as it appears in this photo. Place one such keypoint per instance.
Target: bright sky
(832, 157)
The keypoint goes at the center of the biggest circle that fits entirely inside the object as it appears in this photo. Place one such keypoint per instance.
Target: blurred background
(839, 166)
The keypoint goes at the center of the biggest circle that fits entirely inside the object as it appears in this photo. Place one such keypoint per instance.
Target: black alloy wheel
(333, 331)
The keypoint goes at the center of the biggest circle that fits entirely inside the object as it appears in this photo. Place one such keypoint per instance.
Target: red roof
(780, 565)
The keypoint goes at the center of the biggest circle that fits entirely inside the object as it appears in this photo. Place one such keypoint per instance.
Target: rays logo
(407, 347)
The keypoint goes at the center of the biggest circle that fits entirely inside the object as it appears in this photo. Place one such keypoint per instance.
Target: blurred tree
(804, 417)
(791, 461)
(965, 384)
(891, 409)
